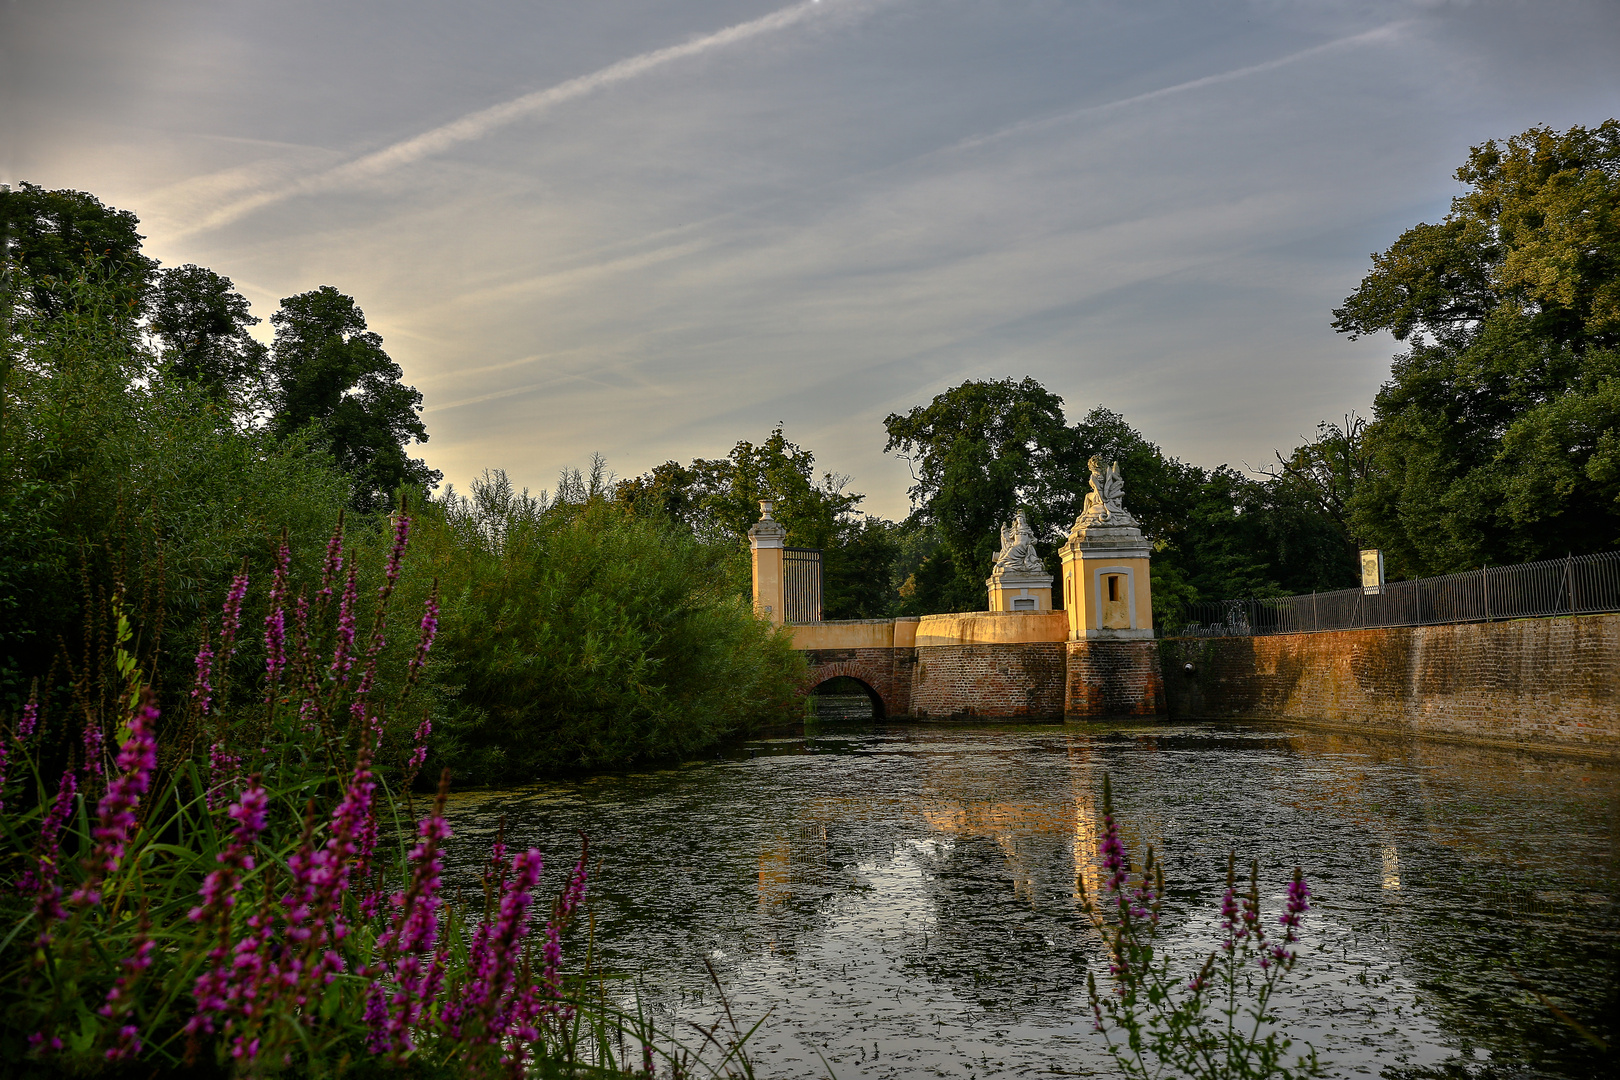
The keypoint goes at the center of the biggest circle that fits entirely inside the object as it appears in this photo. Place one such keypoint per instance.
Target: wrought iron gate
(801, 585)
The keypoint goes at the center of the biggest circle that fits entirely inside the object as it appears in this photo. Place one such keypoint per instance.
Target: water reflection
(907, 898)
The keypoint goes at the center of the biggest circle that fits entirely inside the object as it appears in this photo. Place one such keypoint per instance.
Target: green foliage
(582, 636)
(718, 501)
(983, 450)
(333, 375)
(202, 324)
(56, 237)
(1495, 438)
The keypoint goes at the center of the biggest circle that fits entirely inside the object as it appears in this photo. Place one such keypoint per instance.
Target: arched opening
(845, 697)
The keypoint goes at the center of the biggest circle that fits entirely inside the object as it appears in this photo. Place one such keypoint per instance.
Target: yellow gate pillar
(767, 539)
(1113, 661)
(1106, 587)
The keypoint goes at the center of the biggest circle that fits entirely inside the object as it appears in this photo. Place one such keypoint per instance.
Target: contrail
(476, 125)
(1377, 33)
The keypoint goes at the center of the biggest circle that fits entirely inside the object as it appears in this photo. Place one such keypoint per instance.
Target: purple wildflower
(343, 651)
(41, 879)
(231, 615)
(119, 1004)
(275, 624)
(332, 566)
(409, 944)
(92, 748)
(430, 630)
(202, 687)
(29, 719)
(116, 811)
(560, 917)
(418, 748)
(1113, 855)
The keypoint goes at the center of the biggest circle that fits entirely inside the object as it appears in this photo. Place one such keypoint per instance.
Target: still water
(903, 899)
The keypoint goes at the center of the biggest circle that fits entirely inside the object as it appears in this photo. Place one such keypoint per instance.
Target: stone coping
(925, 631)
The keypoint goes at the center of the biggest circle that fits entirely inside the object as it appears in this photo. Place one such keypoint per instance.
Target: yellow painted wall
(855, 634)
(990, 627)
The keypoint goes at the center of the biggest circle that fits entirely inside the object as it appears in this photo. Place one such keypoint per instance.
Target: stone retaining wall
(1529, 682)
(1005, 681)
(1113, 680)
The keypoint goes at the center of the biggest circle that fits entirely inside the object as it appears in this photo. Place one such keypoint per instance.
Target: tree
(201, 323)
(332, 373)
(978, 452)
(57, 237)
(1495, 438)
(718, 500)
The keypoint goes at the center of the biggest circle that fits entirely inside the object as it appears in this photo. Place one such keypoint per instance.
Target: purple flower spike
(116, 812)
(560, 917)
(119, 1003)
(29, 719)
(41, 879)
(332, 566)
(275, 624)
(1113, 855)
(202, 686)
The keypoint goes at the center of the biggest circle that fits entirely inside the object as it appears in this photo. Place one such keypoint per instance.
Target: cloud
(476, 125)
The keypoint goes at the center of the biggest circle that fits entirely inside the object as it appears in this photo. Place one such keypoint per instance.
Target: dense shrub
(580, 635)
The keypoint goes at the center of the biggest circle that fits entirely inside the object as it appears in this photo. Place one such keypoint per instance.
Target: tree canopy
(202, 325)
(332, 374)
(1497, 436)
(57, 237)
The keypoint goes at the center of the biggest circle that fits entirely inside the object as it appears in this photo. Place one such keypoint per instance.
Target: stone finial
(767, 532)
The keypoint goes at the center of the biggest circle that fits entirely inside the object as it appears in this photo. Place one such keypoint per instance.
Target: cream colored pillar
(767, 539)
(1106, 584)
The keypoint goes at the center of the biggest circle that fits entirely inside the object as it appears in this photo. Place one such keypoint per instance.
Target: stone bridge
(990, 665)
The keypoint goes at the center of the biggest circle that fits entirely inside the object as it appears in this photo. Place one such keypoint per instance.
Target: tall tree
(718, 499)
(978, 452)
(1497, 437)
(202, 325)
(57, 237)
(332, 373)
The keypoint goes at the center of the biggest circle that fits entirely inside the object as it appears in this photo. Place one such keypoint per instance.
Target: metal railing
(801, 585)
(1580, 585)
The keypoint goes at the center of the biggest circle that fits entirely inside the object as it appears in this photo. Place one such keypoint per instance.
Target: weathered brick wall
(1003, 681)
(1529, 682)
(1113, 679)
(887, 671)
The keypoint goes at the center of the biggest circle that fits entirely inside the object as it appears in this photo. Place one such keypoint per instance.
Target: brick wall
(887, 671)
(1528, 682)
(1004, 681)
(1108, 679)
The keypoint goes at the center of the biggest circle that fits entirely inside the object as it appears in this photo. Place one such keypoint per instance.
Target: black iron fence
(801, 585)
(1581, 585)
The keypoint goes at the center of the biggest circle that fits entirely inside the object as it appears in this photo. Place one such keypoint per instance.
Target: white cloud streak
(476, 125)
(1379, 33)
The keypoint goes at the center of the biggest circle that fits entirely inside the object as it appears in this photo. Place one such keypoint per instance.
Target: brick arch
(874, 680)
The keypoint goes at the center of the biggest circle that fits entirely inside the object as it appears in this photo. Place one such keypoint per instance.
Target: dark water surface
(903, 898)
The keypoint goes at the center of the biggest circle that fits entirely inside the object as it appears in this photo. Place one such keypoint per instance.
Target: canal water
(901, 900)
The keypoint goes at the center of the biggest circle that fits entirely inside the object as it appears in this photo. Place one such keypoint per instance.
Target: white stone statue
(1017, 554)
(1102, 506)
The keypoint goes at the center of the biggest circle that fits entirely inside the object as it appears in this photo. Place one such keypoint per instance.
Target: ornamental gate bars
(801, 585)
(1580, 585)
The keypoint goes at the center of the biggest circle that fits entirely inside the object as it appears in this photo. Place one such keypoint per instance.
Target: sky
(651, 228)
